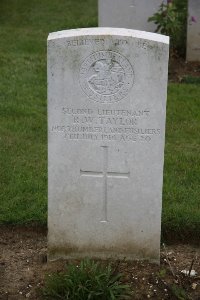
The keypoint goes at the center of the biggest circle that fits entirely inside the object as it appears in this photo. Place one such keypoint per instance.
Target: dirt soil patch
(23, 266)
(179, 69)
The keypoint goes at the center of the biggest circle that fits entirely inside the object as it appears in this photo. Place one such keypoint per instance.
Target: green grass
(24, 26)
(191, 79)
(181, 200)
(89, 280)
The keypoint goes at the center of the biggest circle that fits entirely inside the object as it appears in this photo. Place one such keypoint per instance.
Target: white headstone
(132, 14)
(193, 31)
(107, 92)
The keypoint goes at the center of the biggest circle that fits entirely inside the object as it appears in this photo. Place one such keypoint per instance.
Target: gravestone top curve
(106, 31)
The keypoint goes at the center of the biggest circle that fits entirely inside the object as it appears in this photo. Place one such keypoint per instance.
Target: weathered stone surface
(132, 14)
(193, 31)
(106, 114)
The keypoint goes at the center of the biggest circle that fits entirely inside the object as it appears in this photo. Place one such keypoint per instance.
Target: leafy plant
(88, 281)
(171, 20)
(179, 292)
(161, 273)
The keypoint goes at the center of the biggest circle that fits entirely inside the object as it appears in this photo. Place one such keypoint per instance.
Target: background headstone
(132, 14)
(193, 31)
(106, 111)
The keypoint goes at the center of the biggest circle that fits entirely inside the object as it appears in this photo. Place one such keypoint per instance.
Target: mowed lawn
(24, 27)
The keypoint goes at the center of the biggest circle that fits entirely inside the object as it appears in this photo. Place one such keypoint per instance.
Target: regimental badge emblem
(106, 76)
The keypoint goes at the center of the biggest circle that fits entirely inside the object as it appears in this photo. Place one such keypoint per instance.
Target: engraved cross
(105, 174)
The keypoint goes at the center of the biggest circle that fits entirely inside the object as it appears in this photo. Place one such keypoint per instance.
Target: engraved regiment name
(106, 76)
(106, 125)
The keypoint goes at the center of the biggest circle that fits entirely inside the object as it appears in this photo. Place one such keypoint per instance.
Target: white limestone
(106, 122)
(193, 31)
(132, 14)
